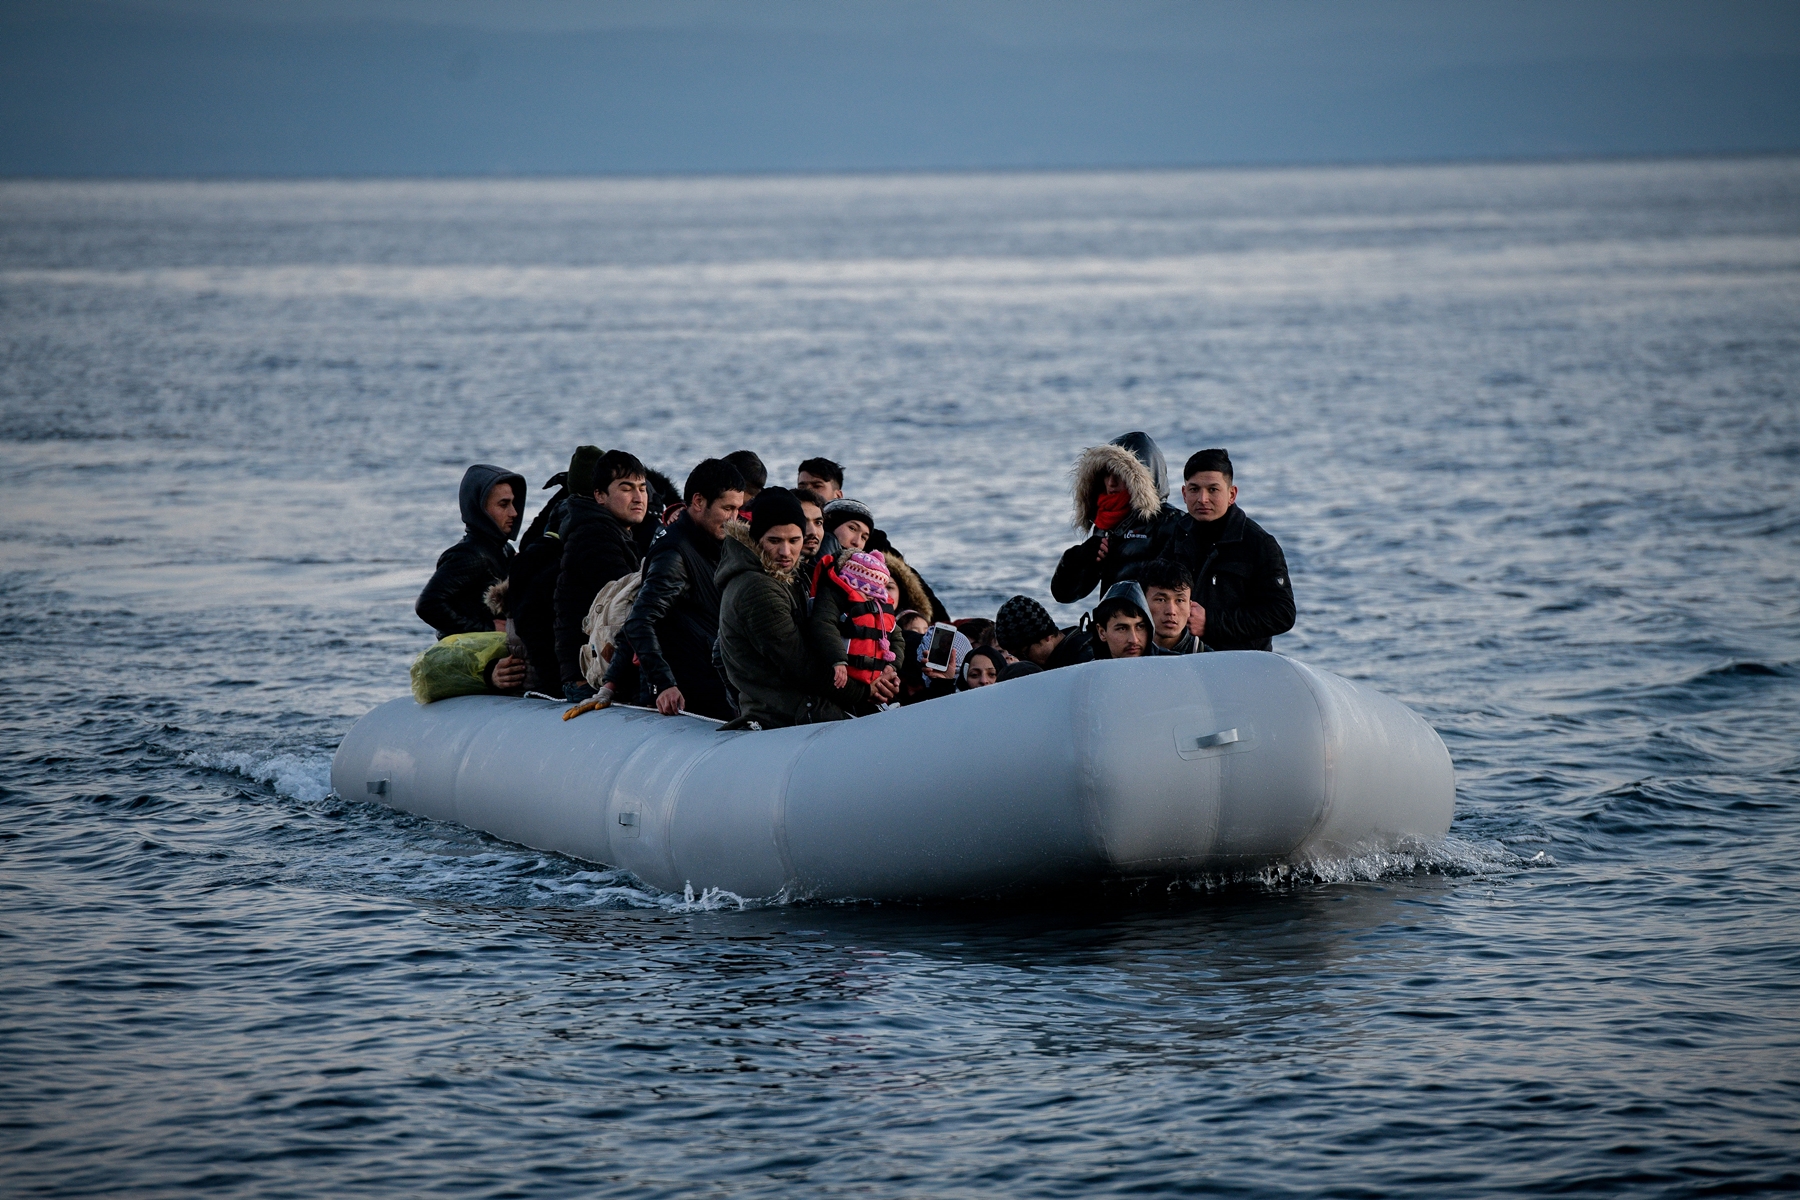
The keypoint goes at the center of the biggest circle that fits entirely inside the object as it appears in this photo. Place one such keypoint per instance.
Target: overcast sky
(349, 87)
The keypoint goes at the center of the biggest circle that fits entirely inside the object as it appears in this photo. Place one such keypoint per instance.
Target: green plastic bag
(456, 666)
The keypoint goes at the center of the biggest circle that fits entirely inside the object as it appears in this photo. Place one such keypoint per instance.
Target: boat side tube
(1151, 767)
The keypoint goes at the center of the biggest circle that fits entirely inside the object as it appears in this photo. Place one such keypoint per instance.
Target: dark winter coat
(454, 600)
(530, 592)
(1077, 646)
(1240, 579)
(763, 643)
(675, 618)
(1135, 541)
(597, 549)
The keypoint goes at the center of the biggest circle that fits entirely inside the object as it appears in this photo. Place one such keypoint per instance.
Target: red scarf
(1112, 509)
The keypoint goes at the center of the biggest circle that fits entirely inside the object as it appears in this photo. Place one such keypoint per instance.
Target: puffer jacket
(1135, 541)
(1240, 579)
(763, 643)
(597, 549)
(674, 620)
(454, 599)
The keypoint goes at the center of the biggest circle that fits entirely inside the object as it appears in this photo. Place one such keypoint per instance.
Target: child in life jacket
(852, 627)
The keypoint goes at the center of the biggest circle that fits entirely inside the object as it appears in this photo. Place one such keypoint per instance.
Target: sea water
(1529, 435)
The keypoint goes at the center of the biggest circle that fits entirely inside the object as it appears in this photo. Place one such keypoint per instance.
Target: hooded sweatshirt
(453, 600)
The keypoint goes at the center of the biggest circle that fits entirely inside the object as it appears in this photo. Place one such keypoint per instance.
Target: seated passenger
(1167, 590)
(1242, 596)
(675, 619)
(980, 632)
(812, 507)
(850, 525)
(1122, 623)
(762, 625)
(454, 600)
(1024, 629)
(1120, 493)
(915, 591)
(921, 681)
(610, 497)
(851, 592)
(755, 475)
(981, 668)
(526, 597)
(821, 477)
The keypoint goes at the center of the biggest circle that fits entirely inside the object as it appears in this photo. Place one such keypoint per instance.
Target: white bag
(605, 617)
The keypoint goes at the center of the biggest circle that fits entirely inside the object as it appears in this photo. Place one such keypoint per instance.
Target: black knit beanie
(774, 506)
(1020, 622)
(581, 470)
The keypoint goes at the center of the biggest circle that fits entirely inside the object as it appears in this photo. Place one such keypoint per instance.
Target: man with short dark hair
(822, 477)
(675, 618)
(812, 509)
(1242, 596)
(609, 496)
(750, 466)
(1122, 623)
(1168, 589)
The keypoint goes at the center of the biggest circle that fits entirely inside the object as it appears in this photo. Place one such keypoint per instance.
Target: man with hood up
(1121, 493)
(454, 601)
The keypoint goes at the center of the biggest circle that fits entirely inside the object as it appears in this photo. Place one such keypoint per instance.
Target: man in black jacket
(675, 618)
(605, 506)
(1242, 597)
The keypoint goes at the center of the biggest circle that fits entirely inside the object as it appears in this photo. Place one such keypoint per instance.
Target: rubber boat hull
(1151, 767)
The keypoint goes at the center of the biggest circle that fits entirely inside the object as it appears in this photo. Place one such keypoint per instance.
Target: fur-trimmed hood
(732, 564)
(910, 588)
(495, 597)
(1089, 479)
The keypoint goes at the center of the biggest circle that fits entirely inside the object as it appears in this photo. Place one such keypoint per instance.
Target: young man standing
(676, 615)
(1168, 592)
(822, 477)
(1242, 598)
(605, 506)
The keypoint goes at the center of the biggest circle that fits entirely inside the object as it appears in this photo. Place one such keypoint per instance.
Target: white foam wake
(304, 777)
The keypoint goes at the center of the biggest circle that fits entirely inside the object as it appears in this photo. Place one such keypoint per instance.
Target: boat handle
(378, 787)
(628, 819)
(1223, 738)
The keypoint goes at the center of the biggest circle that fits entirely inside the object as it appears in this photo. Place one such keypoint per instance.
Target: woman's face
(982, 671)
(853, 535)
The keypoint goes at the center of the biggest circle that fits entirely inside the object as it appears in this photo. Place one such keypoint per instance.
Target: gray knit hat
(846, 509)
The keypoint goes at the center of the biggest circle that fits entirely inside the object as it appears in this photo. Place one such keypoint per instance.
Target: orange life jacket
(865, 622)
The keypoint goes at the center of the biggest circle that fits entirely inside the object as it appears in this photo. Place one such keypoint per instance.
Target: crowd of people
(766, 606)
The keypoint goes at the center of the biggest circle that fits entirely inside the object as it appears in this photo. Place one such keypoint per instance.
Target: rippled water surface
(1529, 434)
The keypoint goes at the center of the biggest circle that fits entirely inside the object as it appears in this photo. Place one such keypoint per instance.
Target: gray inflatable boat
(1156, 767)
